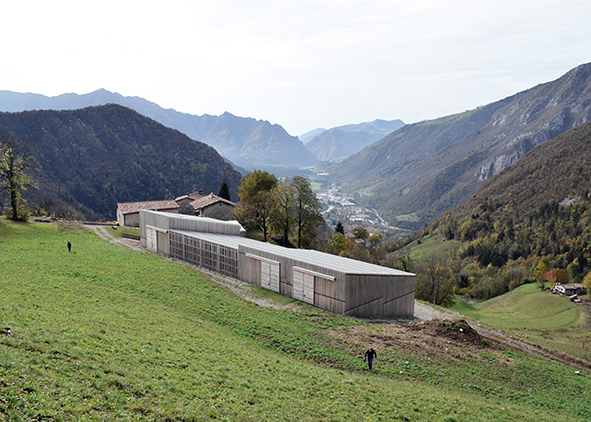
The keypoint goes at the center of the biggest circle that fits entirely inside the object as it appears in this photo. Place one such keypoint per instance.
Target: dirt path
(106, 233)
(521, 345)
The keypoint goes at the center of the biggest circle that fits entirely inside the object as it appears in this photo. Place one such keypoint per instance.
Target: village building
(188, 198)
(570, 289)
(128, 212)
(341, 285)
(213, 206)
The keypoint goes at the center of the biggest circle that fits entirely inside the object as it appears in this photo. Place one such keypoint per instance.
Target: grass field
(434, 244)
(539, 317)
(106, 333)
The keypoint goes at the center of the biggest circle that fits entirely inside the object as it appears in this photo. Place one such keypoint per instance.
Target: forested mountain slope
(530, 222)
(245, 141)
(429, 167)
(98, 156)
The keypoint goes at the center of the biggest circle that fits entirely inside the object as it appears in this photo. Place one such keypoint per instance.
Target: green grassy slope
(538, 317)
(105, 333)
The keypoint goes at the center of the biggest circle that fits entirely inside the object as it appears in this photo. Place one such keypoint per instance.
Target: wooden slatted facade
(341, 285)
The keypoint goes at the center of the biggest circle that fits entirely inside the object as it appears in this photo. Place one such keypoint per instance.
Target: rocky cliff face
(543, 113)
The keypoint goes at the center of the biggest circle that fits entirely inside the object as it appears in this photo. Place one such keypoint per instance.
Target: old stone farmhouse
(192, 203)
(342, 285)
(128, 213)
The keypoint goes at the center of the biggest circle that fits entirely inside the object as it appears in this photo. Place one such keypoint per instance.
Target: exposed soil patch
(441, 340)
(437, 340)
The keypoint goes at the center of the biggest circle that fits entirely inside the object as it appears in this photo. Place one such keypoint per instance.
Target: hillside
(98, 156)
(344, 141)
(427, 168)
(106, 333)
(245, 141)
(530, 222)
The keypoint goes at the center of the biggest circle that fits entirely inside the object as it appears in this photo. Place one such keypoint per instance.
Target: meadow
(108, 333)
(539, 317)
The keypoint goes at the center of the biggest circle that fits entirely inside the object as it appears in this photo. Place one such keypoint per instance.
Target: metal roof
(322, 259)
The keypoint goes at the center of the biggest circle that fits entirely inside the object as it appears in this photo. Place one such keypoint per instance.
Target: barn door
(151, 239)
(270, 275)
(303, 286)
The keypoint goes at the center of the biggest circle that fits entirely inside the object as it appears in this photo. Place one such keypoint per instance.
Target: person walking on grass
(369, 356)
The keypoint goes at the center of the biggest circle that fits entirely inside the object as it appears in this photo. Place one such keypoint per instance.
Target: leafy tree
(435, 281)
(224, 191)
(376, 252)
(254, 183)
(539, 273)
(587, 284)
(283, 214)
(556, 275)
(375, 239)
(574, 271)
(307, 211)
(257, 200)
(16, 158)
(360, 232)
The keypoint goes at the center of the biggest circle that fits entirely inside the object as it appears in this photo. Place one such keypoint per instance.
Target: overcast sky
(301, 64)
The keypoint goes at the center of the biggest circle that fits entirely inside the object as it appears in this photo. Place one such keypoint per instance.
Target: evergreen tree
(224, 191)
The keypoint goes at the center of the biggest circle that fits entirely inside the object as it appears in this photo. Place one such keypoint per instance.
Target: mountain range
(344, 141)
(414, 174)
(97, 156)
(246, 142)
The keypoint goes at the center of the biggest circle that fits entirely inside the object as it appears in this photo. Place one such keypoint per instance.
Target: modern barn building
(341, 285)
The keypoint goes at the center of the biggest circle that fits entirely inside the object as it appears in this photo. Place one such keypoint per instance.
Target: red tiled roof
(131, 207)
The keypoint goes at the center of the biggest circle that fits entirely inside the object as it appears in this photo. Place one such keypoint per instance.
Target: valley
(344, 209)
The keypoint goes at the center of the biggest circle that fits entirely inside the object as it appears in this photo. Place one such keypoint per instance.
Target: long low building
(342, 285)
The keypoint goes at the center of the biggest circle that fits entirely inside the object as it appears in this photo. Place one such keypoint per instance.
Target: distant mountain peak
(342, 141)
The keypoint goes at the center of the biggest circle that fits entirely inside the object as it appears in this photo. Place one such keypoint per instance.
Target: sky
(300, 64)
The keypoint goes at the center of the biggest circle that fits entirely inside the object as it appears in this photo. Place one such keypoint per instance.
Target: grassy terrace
(106, 333)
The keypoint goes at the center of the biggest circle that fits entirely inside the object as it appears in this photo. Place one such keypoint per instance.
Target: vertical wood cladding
(340, 285)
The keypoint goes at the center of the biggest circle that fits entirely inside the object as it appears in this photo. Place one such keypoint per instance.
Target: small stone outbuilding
(128, 212)
(213, 206)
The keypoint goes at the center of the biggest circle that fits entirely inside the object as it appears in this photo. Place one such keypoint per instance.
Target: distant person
(369, 356)
(69, 246)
